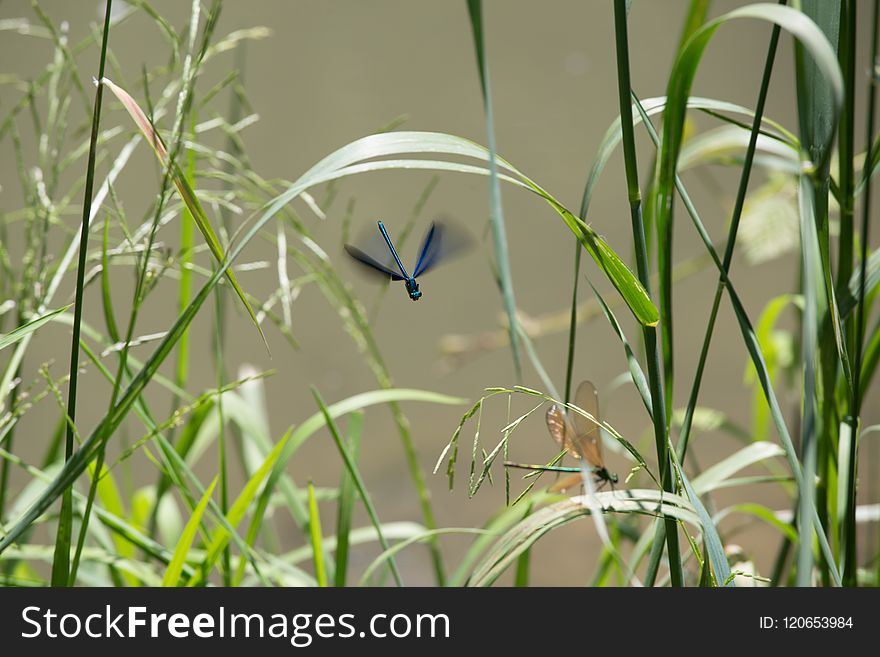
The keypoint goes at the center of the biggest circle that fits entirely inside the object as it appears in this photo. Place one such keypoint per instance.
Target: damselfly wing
(584, 440)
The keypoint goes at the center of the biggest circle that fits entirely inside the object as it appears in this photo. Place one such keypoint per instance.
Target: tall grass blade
(845, 148)
(662, 220)
(316, 538)
(358, 482)
(106, 295)
(237, 511)
(187, 243)
(649, 333)
(475, 10)
(733, 229)
(711, 540)
(573, 313)
(61, 561)
(811, 282)
(849, 521)
(818, 116)
(347, 493)
(181, 551)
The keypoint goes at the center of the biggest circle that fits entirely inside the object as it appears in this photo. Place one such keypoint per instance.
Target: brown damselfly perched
(582, 440)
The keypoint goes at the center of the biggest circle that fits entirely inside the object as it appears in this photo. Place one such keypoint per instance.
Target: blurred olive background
(331, 72)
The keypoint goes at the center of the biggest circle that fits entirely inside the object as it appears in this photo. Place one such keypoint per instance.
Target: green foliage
(815, 343)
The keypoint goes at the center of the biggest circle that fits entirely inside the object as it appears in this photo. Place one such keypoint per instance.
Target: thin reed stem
(649, 333)
(61, 560)
(850, 558)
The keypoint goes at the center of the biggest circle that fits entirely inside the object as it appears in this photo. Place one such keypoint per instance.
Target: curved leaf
(418, 538)
(654, 106)
(525, 533)
(27, 328)
(717, 473)
(728, 142)
(766, 515)
(350, 159)
(685, 69)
